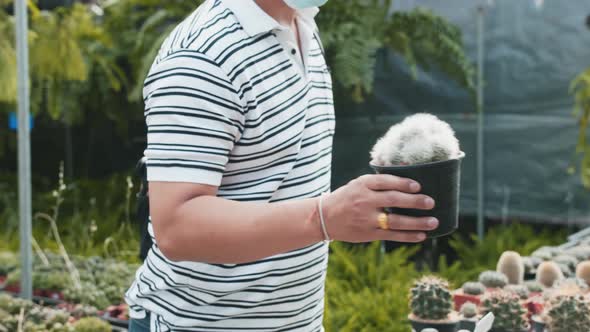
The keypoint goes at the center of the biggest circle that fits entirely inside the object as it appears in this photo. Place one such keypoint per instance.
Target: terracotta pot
(460, 298)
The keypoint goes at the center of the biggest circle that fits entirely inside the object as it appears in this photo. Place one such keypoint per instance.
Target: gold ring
(382, 219)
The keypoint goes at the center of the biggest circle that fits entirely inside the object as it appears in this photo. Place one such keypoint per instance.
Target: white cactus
(420, 138)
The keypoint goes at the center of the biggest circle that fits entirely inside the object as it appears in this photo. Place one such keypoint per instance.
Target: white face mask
(301, 4)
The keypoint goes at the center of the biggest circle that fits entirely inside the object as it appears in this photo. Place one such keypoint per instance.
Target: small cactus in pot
(493, 279)
(509, 312)
(512, 266)
(583, 271)
(469, 316)
(425, 149)
(548, 273)
(568, 313)
(469, 292)
(431, 305)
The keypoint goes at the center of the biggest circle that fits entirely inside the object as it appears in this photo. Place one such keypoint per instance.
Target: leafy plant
(353, 31)
(358, 273)
(580, 89)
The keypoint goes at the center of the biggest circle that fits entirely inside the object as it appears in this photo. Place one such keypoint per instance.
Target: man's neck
(278, 10)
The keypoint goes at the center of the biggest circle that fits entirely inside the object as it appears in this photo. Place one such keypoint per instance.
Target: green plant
(493, 279)
(580, 89)
(468, 310)
(568, 313)
(509, 313)
(92, 324)
(430, 299)
(353, 32)
(357, 273)
(473, 288)
(548, 273)
(512, 266)
(8, 262)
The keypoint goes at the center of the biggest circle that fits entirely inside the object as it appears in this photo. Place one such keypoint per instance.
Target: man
(240, 124)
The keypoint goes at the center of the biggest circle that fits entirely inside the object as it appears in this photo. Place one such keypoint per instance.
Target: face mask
(301, 4)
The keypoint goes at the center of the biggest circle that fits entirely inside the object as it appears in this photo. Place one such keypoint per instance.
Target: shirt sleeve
(194, 117)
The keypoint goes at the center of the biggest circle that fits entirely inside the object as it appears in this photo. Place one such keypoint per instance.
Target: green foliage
(8, 262)
(475, 256)
(509, 313)
(353, 31)
(31, 317)
(359, 273)
(580, 89)
(430, 298)
(92, 324)
(569, 313)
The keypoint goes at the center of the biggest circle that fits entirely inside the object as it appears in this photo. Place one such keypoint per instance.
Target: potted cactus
(512, 266)
(468, 314)
(470, 292)
(565, 313)
(583, 271)
(493, 280)
(548, 273)
(425, 149)
(509, 312)
(432, 306)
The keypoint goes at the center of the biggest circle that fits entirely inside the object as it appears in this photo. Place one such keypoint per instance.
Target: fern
(366, 289)
(353, 31)
(580, 88)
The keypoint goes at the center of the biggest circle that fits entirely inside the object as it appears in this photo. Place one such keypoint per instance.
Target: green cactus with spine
(473, 288)
(431, 299)
(568, 313)
(534, 286)
(493, 279)
(510, 314)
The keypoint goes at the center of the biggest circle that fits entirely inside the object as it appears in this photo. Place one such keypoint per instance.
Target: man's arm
(192, 224)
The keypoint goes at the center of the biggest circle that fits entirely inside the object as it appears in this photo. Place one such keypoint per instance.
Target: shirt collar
(255, 21)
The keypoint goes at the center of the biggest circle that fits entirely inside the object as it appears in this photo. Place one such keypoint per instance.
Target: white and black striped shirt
(227, 106)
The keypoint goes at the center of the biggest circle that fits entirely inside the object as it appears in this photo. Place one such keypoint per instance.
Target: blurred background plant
(580, 88)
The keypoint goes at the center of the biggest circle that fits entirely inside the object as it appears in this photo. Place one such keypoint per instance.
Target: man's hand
(351, 212)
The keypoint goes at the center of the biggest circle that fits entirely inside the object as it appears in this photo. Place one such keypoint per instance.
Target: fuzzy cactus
(430, 299)
(521, 290)
(569, 260)
(583, 271)
(570, 286)
(468, 310)
(418, 139)
(568, 313)
(510, 314)
(473, 288)
(534, 286)
(512, 266)
(548, 273)
(493, 279)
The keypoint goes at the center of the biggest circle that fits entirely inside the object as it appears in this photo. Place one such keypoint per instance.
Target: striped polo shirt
(227, 105)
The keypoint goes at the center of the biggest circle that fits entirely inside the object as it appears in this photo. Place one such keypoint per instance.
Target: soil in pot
(441, 181)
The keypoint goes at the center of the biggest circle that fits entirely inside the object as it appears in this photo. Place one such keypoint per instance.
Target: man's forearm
(215, 230)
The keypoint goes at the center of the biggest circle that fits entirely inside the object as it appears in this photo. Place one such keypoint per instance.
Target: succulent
(512, 266)
(582, 252)
(473, 288)
(534, 286)
(568, 313)
(510, 314)
(545, 253)
(521, 290)
(569, 260)
(529, 265)
(430, 299)
(468, 310)
(92, 324)
(548, 273)
(418, 139)
(493, 279)
(583, 271)
(570, 286)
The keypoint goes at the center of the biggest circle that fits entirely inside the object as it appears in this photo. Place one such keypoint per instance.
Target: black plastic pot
(440, 180)
(466, 324)
(418, 326)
